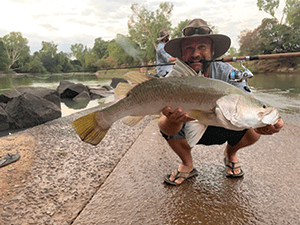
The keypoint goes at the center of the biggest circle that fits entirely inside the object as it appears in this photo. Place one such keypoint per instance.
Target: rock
(28, 110)
(3, 120)
(45, 93)
(115, 81)
(97, 93)
(2, 105)
(107, 87)
(63, 85)
(83, 96)
(67, 89)
(81, 104)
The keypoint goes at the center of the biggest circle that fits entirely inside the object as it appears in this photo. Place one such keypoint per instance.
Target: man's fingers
(166, 111)
(269, 129)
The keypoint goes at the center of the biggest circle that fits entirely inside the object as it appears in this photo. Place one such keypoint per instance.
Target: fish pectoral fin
(202, 116)
(228, 105)
(121, 90)
(136, 77)
(194, 130)
(88, 129)
(227, 112)
(224, 122)
(132, 120)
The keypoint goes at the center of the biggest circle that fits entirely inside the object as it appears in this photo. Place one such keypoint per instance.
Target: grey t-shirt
(221, 71)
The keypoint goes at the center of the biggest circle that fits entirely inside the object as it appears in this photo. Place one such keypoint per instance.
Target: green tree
(100, 48)
(292, 11)
(46, 54)
(232, 52)
(80, 51)
(117, 53)
(90, 60)
(16, 47)
(177, 32)
(34, 66)
(54, 62)
(248, 41)
(4, 61)
(269, 6)
(269, 37)
(144, 26)
(63, 63)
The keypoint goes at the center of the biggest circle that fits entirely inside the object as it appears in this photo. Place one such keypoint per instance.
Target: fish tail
(89, 129)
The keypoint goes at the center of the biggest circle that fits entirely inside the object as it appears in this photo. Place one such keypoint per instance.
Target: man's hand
(270, 129)
(176, 116)
(170, 123)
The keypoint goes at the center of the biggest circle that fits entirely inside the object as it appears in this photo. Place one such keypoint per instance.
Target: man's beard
(205, 65)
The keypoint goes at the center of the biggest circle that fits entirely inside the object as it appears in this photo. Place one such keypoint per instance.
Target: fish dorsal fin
(180, 69)
(136, 77)
(121, 90)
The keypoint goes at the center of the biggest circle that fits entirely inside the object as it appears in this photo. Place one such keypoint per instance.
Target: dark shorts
(213, 136)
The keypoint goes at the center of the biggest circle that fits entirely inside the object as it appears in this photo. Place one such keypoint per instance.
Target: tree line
(273, 35)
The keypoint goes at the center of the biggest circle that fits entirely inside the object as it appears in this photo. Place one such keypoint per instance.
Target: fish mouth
(271, 117)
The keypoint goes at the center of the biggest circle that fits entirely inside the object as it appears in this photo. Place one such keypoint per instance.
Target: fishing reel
(239, 75)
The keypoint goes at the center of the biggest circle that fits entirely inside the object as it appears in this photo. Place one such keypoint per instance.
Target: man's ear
(213, 50)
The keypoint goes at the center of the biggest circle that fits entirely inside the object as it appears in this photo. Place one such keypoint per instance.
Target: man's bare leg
(249, 138)
(181, 147)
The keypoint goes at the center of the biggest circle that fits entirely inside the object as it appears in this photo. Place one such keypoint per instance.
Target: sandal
(177, 174)
(10, 158)
(233, 166)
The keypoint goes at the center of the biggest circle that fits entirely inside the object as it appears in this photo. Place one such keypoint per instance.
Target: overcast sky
(66, 22)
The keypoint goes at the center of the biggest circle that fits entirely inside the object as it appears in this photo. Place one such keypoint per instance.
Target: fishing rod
(133, 67)
(239, 75)
(257, 57)
(225, 59)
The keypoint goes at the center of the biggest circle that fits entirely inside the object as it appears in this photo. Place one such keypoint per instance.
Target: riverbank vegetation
(273, 35)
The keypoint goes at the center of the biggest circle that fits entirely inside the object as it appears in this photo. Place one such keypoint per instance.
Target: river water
(52, 82)
(281, 91)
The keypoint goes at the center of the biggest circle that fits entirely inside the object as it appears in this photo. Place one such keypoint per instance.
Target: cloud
(64, 21)
(49, 27)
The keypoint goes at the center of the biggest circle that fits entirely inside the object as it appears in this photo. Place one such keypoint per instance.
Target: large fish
(209, 101)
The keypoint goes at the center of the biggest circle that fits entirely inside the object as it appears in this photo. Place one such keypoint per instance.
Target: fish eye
(264, 106)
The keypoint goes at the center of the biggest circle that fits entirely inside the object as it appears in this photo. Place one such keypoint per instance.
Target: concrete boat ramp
(61, 180)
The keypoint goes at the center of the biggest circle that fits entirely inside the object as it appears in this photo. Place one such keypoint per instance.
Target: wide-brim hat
(221, 42)
(163, 33)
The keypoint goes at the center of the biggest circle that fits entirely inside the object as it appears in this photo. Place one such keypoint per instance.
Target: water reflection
(282, 84)
(49, 81)
(279, 90)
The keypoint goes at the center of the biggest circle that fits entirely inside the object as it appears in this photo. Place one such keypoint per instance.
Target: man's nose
(196, 53)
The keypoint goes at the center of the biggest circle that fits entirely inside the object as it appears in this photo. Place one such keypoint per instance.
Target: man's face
(194, 50)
